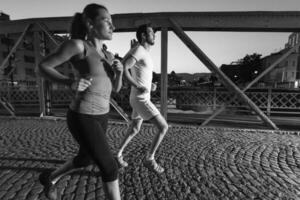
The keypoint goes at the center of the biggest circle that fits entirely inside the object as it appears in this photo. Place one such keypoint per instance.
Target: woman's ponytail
(78, 28)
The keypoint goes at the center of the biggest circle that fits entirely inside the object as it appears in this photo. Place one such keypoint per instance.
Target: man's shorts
(143, 108)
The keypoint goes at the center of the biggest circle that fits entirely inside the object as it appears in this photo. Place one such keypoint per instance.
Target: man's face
(150, 36)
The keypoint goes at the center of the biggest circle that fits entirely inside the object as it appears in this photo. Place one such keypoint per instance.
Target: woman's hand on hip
(81, 85)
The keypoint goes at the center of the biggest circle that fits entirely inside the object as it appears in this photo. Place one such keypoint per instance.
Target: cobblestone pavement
(200, 162)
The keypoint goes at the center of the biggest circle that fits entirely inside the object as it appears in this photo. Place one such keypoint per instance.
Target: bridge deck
(201, 163)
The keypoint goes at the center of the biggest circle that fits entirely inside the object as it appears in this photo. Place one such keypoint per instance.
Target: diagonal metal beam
(47, 32)
(230, 85)
(7, 106)
(15, 46)
(266, 71)
(13, 68)
(119, 110)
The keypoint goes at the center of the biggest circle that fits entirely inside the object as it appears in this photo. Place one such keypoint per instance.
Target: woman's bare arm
(64, 53)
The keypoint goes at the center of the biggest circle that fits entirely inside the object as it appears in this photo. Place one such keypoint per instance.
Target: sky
(220, 47)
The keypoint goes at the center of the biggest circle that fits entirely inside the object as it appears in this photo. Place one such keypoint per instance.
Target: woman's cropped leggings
(90, 132)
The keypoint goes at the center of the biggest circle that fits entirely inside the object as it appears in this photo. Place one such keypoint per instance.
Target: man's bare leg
(160, 122)
(133, 129)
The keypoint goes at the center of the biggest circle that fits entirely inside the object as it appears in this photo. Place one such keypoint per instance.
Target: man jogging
(140, 64)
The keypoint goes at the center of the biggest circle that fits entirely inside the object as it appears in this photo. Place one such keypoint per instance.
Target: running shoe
(49, 188)
(153, 166)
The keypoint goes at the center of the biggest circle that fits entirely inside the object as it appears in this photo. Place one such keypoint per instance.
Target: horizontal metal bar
(265, 21)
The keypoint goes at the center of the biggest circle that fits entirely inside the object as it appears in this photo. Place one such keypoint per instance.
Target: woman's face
(102, 26)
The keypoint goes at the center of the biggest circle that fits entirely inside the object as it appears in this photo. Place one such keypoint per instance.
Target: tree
(232, 71)
(250, 67)
(155, 77)
(174, 79)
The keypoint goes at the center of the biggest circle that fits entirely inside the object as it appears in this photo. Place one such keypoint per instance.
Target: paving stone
(200, 163)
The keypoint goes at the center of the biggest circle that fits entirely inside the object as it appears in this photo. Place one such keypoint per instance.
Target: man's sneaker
(121, 161)
(153, 166)
(49, 188)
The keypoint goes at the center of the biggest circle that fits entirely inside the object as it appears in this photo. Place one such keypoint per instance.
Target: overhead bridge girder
(262, 21)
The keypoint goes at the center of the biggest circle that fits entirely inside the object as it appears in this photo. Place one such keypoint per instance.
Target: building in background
(20, 70)
(287, 73)
(3, 16)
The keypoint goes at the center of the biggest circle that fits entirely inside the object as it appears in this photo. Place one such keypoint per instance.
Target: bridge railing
(271, 101)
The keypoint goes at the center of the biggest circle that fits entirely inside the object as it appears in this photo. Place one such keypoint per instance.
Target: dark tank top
(95, 99)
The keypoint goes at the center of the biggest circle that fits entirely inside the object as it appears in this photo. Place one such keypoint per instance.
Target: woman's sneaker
(153, 166)
(49, 188)
(121, 161)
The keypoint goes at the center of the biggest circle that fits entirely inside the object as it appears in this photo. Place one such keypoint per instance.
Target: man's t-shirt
(142, 71)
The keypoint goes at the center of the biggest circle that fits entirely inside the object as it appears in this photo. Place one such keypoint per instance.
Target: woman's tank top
(95, 99)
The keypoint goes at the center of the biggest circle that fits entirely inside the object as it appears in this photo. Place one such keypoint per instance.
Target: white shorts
(143, 108)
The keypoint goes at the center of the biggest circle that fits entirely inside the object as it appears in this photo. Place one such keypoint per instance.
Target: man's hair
(142, 29)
